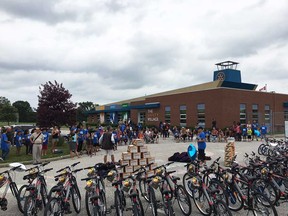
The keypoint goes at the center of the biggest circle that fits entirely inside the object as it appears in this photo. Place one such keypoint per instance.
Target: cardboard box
(132, 149)
(136, 167)
(153, 166)
(125, 175)
(126, 156)
(134, 162)
(142, 148)
(145, 155)
(142, 162)
(150, 173)
(150, 160)
(124, 162)
(136, 155)
(128, 169)
(120, 170)
(138, 142)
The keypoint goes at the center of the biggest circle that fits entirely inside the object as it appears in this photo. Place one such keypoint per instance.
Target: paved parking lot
(161, 151)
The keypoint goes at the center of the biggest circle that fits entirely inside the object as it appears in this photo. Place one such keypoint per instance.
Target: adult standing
(254, 127)
(73, 143)
(263, 131)
(5, 144)
(201, 141)
(107, 142)
(37, 139)
(55, 138)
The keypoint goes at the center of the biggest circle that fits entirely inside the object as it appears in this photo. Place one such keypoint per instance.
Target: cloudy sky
(109, 50)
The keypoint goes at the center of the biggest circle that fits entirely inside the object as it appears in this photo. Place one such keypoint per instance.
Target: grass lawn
(23, 157)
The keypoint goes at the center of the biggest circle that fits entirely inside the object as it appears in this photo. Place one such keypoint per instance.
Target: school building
(225, 99)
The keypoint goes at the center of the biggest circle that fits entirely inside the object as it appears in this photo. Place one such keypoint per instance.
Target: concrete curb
(30, 162)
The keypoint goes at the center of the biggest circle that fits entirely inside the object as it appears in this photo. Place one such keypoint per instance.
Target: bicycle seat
(174, 178)
(170, 172)
(133, 194)
(30, 187)
(95, 197)
(166, 191)
(57, 189)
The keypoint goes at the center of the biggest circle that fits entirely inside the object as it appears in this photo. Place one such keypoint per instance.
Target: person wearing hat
(201, 141)
(36, 140)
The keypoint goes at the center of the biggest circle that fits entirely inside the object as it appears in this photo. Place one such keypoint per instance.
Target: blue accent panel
(236, 85)
(128, 108)
(285, 104)
(229, 75)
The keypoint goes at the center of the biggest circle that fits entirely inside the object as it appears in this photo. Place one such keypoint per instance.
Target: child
(45, 142)
(18, 142)
(249, 134)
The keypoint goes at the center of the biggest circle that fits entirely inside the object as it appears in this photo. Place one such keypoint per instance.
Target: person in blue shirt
(254, 128)
(201, 140)
(244, 133)
(18, 141)
(263, 131)
(28, 144)
(80, 140)
(5, 145)
(45, 142)
(96, 141)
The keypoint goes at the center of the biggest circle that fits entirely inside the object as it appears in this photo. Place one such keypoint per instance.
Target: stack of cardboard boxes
(137, 155)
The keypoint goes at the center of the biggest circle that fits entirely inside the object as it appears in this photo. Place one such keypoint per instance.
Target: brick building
(225, 99)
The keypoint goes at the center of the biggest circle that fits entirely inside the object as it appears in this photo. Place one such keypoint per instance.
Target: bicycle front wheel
(30, 206)
(137, 207)
(143, 186)
(53, 207)
(118, 203)
(153, 201)
(187, 184)
(76, 199)
(262, 205)
(183, 200)
(22, 194)
(202, 202)
(221, 208)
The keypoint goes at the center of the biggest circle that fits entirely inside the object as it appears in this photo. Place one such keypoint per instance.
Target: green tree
(8, 113)
(4, 101)
(24, 110)
(55, 106)
(82, 110)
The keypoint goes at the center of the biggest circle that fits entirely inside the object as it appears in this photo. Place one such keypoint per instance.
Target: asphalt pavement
(161, 151)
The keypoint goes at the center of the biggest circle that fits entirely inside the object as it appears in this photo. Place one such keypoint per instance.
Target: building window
(243, 114)
(141, 117)
(183, 116)
(168, 114)
(255, 112)
(286, 115)
(107, 118)
(201, 114)
(267, 114)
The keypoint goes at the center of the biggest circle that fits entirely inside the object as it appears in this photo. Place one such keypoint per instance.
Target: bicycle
(37, 197)
(7, 179)
(170, 189)
(23, 192)
(95, 198)
(61, 193)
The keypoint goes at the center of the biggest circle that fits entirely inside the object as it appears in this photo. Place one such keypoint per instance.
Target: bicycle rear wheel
(183, 200)
(187, 184)
(53, 207)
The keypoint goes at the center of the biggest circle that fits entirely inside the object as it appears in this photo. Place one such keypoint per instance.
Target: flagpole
(266, 87)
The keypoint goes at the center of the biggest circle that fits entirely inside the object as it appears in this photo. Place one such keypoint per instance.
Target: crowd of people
(91, 140)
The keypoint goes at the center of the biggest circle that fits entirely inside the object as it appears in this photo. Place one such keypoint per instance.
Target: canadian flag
(264, 88)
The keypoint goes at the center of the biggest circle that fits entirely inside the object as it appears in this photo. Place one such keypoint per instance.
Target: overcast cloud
(110, 50)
